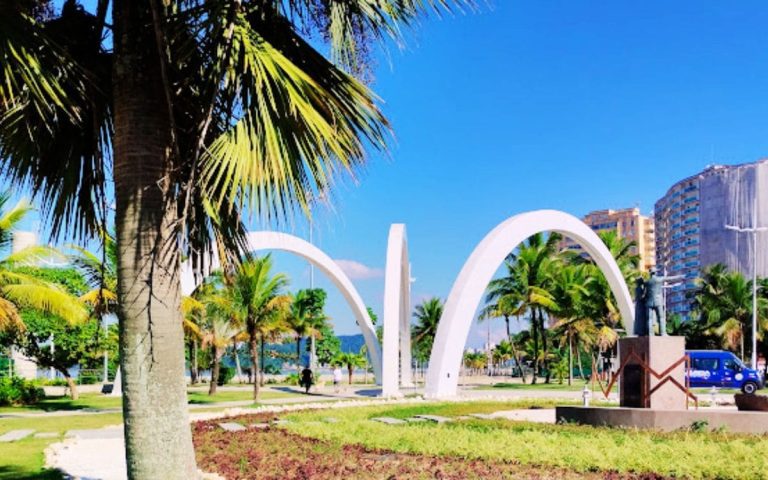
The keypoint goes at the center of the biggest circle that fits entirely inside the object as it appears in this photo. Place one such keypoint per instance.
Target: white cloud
(358, 271)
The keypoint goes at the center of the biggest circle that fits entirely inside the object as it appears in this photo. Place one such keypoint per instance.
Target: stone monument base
(646, 357)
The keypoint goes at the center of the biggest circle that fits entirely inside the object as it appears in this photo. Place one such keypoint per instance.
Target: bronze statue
(649, 303)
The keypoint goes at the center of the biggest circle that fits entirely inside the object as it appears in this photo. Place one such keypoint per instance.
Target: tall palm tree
(254, 298)
(724, 300)
(350, 360)
(194, 317)
(570, 287)
(305, 320)
(195, 108)
(427, 316)
(218, 333)
(504, 298)
(535, 262)
(100, 271)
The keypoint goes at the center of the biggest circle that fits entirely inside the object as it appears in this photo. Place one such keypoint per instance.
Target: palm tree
(350, 360)
(570, 287)
(254, 298)
(305, 320)
(218, 333)
(194, 317)
(101, 274)
(534, 262)
(199, 107)
(427, 316)
(504, 298)
(725, 302)
(19, 289)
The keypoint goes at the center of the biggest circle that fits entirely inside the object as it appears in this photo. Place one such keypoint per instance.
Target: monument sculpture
(649, 304)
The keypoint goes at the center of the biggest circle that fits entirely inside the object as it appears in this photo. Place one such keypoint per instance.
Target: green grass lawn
(24, 459)
(578, 385)
(97, 401)
(580, 448)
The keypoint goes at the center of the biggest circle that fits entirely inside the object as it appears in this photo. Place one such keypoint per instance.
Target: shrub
(17, 391)
(226, 374)
(292, 379)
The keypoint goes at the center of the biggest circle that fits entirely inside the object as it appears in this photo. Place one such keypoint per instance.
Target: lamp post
(753, 230)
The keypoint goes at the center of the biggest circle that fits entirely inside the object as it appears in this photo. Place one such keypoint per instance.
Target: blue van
(718, 368)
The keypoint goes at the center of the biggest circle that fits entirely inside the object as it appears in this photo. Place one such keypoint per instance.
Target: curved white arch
(397, 310)
(468, 290)
(304, 249)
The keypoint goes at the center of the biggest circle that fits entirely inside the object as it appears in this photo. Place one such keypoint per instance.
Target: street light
(753, 230)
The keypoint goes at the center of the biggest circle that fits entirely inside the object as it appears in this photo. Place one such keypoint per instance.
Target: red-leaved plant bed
(272, 453)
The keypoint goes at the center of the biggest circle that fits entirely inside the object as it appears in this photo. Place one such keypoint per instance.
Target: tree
(350, 360)
(74, 342)
(305, 319)
(21, 285)
(535, 262)
(200, 107)
(218, 333)
(427, 316)
(329, 345)
(570, 288)
(315, 299)
(255, 299)
(724, 300)
(100, 274)
(504, 298)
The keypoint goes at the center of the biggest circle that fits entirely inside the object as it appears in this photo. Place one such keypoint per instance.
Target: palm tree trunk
(158, 438)
(71, 385)
(518, 360)
(298, 355)
(351, 369)
(193, 361)
(261, 364)
(535, 332)
(238, 370)
(253, 345)
(545, 348)
(215, 370)
(570, 360)
(578, 359)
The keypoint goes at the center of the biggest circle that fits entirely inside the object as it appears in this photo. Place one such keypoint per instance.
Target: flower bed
(272, 453)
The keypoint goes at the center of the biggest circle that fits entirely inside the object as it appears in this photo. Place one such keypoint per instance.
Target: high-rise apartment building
(691, 220)
(630, 225)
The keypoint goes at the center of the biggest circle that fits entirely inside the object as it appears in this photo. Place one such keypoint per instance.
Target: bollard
(713, 395)
(586, 395)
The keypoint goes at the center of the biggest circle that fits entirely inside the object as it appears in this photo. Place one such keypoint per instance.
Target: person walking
(337, 379)
(307, 379)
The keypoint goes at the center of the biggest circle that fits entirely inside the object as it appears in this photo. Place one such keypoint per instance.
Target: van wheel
(749, 388)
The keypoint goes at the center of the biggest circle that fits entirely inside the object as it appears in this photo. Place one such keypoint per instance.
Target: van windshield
(733, 364)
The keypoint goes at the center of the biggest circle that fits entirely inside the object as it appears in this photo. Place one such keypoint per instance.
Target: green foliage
(328, 346)
(17, 391)
(226, 374)
(427, 315)
(69, 278)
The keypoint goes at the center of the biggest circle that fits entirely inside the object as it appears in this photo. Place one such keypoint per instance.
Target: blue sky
(572, 105)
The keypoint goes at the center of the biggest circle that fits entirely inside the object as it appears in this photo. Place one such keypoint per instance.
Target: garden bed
(275, 454)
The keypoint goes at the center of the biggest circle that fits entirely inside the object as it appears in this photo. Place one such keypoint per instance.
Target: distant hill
(351, 343)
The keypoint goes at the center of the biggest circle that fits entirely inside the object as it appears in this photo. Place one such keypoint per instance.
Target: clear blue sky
(573, 105)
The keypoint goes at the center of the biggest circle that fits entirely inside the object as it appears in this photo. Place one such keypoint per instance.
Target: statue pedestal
(637, 382)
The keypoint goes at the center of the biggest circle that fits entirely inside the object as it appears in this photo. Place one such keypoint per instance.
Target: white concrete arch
(470, 285)
(289, 243)
(397, 310)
